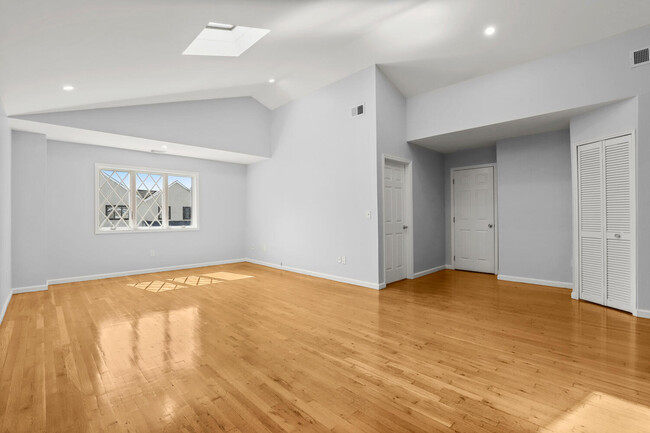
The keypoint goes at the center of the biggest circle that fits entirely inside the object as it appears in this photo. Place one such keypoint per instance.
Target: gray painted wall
(535, 207)
(234, 124)
(307, 205)
(5, 211)
(587, 75)
(428, 180)
(73, 248)
(464, 158)
(30, 211)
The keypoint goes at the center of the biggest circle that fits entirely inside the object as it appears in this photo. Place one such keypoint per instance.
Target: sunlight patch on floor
(227, 276)
(602, 413)
(156, 286)
(194, 280)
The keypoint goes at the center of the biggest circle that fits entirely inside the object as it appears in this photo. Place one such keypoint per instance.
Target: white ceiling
(121, 52)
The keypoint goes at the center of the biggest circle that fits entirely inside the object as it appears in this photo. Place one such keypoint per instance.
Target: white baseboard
(139, 271)
(29, 289)
(535, 281)
(643, 313)
(430, 271)
(4, 307)
(346, 280)
(16, 291)
(574, 295)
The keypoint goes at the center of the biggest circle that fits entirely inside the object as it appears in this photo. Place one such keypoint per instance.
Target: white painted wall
(5, 212)
(464, 158)
(591, 74)
(535, 207)
(307, 205)
(428, 180)
(30, 211)
(73, 248)
(234, 124)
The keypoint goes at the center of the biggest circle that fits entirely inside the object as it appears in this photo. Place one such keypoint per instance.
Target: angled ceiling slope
(131, 50)
(232, 130)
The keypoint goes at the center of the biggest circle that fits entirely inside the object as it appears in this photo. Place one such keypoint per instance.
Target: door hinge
(454, 219)
(453, 181)
(454, 258)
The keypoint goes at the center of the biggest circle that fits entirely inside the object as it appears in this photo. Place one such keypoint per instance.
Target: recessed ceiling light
(489, 31)
(271, 80)
(228, 40)
(68, 88)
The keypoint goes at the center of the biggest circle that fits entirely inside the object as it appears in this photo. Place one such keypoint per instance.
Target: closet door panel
(591, 220)
(618, 222)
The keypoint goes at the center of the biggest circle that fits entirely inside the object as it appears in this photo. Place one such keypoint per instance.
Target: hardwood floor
(205, 350)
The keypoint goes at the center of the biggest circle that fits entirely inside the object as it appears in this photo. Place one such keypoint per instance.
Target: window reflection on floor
(154, 340)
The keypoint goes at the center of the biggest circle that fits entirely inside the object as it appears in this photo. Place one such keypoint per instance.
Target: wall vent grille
(358, 110)
(641, 57)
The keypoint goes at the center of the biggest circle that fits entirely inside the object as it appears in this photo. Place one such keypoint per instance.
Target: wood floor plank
(245, 348)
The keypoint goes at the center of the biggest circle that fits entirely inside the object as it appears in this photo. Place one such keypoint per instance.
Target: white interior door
(394, 221)
(473, 219)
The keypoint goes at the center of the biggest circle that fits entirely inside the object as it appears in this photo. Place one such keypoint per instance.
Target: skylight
(228, 40)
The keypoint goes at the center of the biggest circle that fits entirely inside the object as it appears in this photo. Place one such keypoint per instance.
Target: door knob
(405, 227)
(617, 235)
(490, 226)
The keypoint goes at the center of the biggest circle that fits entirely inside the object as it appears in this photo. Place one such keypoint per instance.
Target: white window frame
(133, 227)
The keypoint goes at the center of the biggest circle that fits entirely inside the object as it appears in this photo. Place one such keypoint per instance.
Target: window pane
(148, 199)
(179, 190)
(113, 199)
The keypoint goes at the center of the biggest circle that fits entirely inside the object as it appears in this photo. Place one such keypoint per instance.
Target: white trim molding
(536, 281)
(429, 271)
(29, 289)
(643, 313)
(140, 271)
(367, 284)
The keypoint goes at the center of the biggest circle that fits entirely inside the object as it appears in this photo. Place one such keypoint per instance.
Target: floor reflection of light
(228, 276)
(165, 339)
(600, 412)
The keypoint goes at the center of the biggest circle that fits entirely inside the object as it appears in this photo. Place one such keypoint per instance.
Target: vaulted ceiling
(124, 52)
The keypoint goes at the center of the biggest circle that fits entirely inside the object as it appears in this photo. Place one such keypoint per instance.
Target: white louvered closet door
(618, 219)
(590, 214)
(606, 222)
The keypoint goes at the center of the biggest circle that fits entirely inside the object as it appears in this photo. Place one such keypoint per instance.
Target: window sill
(179, 229)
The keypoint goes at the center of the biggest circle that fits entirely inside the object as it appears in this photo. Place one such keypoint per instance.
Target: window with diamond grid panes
(130, 199)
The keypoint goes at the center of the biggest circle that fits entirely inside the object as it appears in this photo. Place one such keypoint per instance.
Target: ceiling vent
(641, 57)
(358, 110)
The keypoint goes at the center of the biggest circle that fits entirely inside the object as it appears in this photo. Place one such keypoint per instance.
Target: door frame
(575, 292)
(496, 212)
(408, 214)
